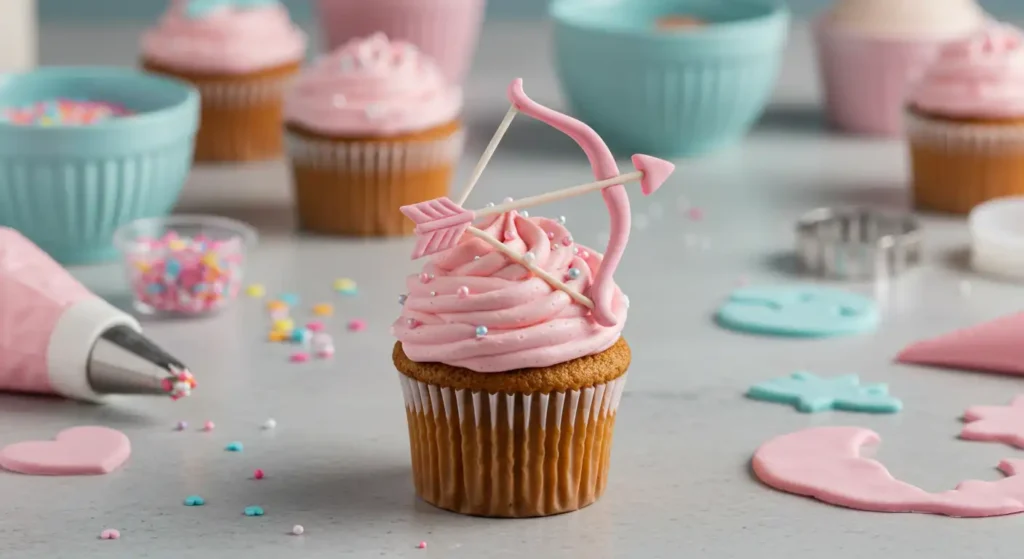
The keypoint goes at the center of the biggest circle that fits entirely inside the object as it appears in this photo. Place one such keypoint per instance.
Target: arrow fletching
(440, 224)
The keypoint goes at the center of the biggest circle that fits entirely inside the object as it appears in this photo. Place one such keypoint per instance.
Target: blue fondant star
(253, 511)
(196, 9)
(810, 393)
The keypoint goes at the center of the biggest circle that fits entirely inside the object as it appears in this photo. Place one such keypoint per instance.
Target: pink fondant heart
(75, 452)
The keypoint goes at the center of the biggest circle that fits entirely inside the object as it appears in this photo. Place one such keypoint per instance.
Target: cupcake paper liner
(352, 187)
(510, 454)
(865, 80)
(956, 166)
(240, 115)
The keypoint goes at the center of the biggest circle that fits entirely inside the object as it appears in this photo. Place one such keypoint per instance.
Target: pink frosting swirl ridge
(228, 39)
(528, 323)
(373, 86)
(979, 77)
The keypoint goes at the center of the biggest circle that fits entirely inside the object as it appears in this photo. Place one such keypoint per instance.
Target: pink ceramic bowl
(446, 30)
(866, 79)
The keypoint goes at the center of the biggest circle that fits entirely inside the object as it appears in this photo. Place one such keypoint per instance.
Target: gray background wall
(108, 10)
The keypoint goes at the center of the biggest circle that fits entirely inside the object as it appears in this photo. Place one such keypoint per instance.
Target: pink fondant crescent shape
(602, 292)
(825, 463)
(74, 452)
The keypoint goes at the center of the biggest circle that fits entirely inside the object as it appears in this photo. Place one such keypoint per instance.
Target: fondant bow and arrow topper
(441, 222)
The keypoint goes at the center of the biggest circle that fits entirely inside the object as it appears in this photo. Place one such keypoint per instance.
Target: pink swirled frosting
(528, 323)
(373, 86)
(979, 77)
(228, 39)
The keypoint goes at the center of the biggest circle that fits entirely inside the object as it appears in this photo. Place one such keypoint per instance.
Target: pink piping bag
(57, 337)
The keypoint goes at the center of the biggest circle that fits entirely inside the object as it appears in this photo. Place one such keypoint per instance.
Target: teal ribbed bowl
(669, 92)
(68, 188)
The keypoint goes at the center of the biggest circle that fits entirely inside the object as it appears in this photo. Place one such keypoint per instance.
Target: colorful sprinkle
(255, 291)
(421, 545)
(194, 501)
(110, 534)
(301, 335)
(258, 474)
(284, 325)
(290, 299)
(208, 426)
(463, 291)
(269, 424)
(315, 326)
(179, 385)
(356, 325)
(253, 511)
(185, 275)
(481, 331)
(323, 345)
(345, 286)
(299, 357)
(277, 336)
(65, 112)
(696, 214)
(298, 530)
(323, 309)
(181, 426)
(426, 278)
(234, 447)
(276, 305)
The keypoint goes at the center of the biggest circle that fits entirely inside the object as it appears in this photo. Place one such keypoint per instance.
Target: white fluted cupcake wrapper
(372, 155)
(955, 136)
(510, 454)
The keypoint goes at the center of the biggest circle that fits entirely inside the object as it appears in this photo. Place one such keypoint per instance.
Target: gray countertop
(679, 487)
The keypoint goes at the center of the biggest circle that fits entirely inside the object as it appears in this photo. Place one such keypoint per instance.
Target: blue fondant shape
(810, 393)
(803, 311)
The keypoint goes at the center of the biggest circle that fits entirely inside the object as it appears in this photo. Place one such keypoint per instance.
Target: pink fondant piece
(995, 347)
(656, 172)
(74, 452)
(1002, 424)
(34, 293)
(825, 463)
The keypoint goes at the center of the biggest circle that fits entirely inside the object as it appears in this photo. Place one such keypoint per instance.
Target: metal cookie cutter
(857, 244)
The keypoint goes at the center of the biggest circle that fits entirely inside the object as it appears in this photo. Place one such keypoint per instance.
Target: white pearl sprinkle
(575, 250)
(529, 257)
(298, 530)
(524, 213)
(477, 257)
(433, 293)
(561, 219)
(269, 424)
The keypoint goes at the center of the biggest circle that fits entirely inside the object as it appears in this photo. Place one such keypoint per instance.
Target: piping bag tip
(123, 361)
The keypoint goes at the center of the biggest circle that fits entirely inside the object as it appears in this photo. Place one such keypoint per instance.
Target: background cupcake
(445, 30)
(371, 127)
(871, 51)
(511, 387)
(965, 123)
(240, 55)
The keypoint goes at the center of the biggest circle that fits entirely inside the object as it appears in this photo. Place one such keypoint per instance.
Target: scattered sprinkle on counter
(269, 424)
(255, 291)
(299, 357)
(234, 447)
(298, 530)
(357, 325)
(110, 534)
(323, 309)
(208, 426)
(258, 474)
(345, 286)
(253, 511)
(194, 501)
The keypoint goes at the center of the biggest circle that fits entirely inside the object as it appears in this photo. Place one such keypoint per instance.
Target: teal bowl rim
(123, 241)
(189, 99)
(775, 11)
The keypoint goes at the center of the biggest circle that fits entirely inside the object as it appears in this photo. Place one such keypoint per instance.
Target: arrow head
(655, 171)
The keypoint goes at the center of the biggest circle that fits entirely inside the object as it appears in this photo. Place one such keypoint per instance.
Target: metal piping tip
(123, 361)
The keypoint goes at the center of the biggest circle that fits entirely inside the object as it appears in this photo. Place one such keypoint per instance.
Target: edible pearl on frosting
(567, 241)
(413, 322)
(433, 293)
(575, 250)
(462, 292)
(561, 219)
(426, 278)
(551, 234)
(524, 213)
(481, 331)
(402, 299)
(574, 273)
(529, 257)
(477, 257)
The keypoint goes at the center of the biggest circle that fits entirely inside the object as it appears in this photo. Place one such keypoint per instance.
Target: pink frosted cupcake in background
(445, 30)
(871, 51)
(240, 55)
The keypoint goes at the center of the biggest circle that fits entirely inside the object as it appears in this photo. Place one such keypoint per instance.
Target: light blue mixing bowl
(68, 188)
(669, 93)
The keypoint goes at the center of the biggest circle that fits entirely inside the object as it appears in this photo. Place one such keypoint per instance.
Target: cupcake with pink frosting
(511, 385)
(871, 52)
(965, 123)
(371, 127)
(241, 56)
